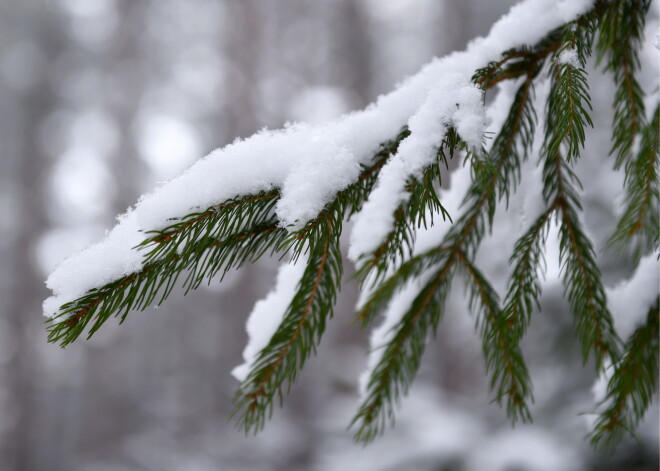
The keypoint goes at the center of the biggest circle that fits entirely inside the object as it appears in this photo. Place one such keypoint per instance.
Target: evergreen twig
(620, 32)
(633, 384)
(639, 226)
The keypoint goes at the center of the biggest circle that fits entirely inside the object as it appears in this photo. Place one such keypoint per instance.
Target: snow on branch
(309, 164)
(268, 314)
(290, 191)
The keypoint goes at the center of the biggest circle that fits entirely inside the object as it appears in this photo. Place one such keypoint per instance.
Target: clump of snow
(313, 180)
(570, 57)
(268, 314)
(469, 119)
(102, 263)
(453, 101)
(569, 9)
(289, 158)
(529, 21)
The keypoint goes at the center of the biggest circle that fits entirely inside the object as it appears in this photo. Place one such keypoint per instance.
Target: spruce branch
(204, 244)
(569, 107)
(356, 194)
(216, 222)
(569, 103)
(581, 275)
(620, 33)
(522, 299)
(491, 175)
(510, 148)
(494, 72)
(639, 226)
(402, 353)
(201, 244)
(400, 360)
(501, 344)
(632, 386)
(568, 113)
(524, 290)
(566, 117)
(417, 211)
(155, 281)
(277, 366)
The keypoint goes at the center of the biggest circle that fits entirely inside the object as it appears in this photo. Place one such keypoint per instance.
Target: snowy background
(102, 99)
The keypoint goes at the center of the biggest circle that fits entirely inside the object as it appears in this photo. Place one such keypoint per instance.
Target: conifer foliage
(203, 245)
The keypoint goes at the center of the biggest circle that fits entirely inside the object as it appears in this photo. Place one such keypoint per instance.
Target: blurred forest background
(102, 99)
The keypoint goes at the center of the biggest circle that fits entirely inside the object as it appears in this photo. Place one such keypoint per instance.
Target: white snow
(469, 118)
(106, 261)
(286, 158)
(268, 314)
(569, 9)
(630, 300)
(570, 57)
(453, 101)
(313, 181)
